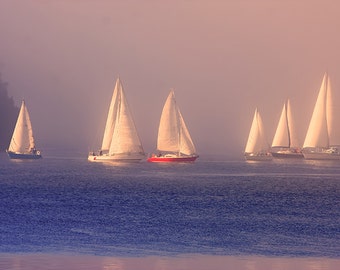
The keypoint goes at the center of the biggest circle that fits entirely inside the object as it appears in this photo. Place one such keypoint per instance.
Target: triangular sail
(125, 139)
(111, 117)
(281, 137)
(186, 144)
(294, 141)
(329, 112)
(168, 131)
(317, 134)
(285, 135)
(173, 135)
(256, 140)
(22, 140)
(333, 109)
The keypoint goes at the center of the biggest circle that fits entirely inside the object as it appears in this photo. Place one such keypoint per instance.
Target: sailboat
(322, 139)
(285, 143)
(120, 141)
(257, 147)
(174, 143)
(22, 145)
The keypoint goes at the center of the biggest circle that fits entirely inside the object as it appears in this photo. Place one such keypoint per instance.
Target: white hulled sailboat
(285, 143)
(174, 143)
(257, 147)
(120, 140)
(22, 145)
(322, 140)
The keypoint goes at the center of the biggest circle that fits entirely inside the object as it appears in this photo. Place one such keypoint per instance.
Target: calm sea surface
(58, 205)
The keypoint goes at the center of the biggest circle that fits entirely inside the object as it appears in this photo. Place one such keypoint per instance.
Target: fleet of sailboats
(257, 147)
(285, 143)
(120, 141)
(22, 145)
(174, 143)
(322, 140)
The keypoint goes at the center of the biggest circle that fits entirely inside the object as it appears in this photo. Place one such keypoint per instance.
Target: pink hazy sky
(223, 58)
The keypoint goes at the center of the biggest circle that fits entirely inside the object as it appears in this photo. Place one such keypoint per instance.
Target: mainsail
(112, 115)
(22, 140)
(285, 135)
(120, 135)
(321, 130)
(256, 140)
(173, 134)
(124, 138)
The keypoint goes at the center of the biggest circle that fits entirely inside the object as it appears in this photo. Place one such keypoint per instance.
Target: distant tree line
(8, 116)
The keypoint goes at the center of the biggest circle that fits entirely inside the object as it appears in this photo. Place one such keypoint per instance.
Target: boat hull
(286, 155)
(322, 156)
(172, 159)
(258, 157)
(13, 155)
(115, 158)
(331, 153)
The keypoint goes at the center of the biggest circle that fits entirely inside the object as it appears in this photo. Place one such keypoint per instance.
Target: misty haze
(88, 203)
(223, 58)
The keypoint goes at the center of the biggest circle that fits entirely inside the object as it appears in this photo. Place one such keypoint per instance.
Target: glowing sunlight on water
(197, 262)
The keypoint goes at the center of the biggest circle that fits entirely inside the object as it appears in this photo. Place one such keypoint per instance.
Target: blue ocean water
(278, 208)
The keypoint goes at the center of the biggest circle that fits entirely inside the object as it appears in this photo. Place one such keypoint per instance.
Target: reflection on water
(148, 215)
(184, 262)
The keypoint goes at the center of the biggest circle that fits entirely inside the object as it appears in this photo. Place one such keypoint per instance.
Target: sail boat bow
(22, 145)
(120, 140)
(174, 143)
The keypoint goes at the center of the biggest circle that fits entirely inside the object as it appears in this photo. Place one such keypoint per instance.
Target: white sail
(168, 131)
(125, 139)
(294, 141)
(22, 140)
(120, 140)
(332, 111)
(186, 144)
(112, 115)
(256, 140)
(285, 135)
(281, 137)
(329, 111)
(173, 135)
(318, 130)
